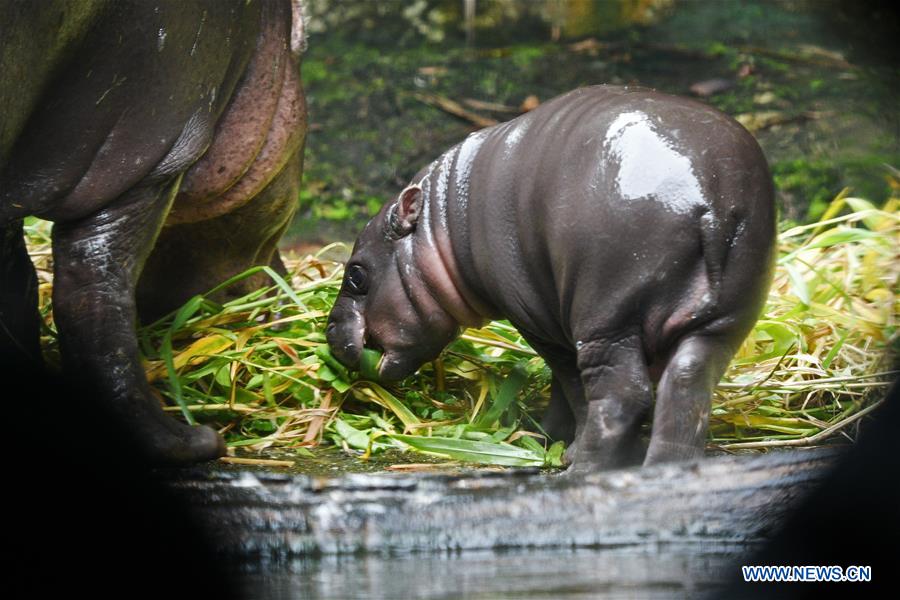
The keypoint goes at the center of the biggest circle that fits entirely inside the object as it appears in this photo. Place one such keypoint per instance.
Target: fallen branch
(801, 55)
(455, 108)
(810, 55)
(490, 106)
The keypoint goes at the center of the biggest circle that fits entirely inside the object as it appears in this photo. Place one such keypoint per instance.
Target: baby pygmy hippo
(628, 235)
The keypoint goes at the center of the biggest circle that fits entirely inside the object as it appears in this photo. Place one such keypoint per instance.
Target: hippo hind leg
(97, 261)
(683, 397)
(19, 316)
(617, 400)
(700, 357)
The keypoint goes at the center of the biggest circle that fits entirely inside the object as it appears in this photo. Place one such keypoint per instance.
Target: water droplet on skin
(161, 39)
(579, 344)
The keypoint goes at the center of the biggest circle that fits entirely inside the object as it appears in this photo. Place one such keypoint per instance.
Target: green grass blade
(181, 317)
(505, 397)
(471, 451)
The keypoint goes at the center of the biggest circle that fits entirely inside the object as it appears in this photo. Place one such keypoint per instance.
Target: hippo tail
(714, 247)
(703, 296)
(718, 233)
(737, 280)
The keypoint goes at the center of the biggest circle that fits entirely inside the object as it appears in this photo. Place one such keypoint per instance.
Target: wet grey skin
(628, 235)
(164, 140)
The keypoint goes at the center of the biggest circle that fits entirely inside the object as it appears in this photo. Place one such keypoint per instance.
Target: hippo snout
(346, 337)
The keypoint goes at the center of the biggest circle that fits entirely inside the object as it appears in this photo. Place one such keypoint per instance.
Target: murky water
(662, 571)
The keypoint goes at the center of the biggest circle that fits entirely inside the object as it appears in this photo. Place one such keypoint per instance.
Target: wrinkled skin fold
(164, 140)
(630, 237)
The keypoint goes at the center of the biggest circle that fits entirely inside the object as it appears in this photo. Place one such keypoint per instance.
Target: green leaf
(503, 433)
(783, 338)
(392, 403)
(832, 237)
(354, 437)
(840, 235)
(340, 385)
(798, 284)
(526, 441)
(223, 376)
(181, 317)
(470, 451)
(504, 398)
(267, 389)
(325, 374)
(325, 355)
(859, 205)
(826, 362)
(246, 442)
(555, 454)
(369, 363)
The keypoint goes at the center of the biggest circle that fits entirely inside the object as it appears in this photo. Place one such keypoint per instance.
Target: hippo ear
(406, 211)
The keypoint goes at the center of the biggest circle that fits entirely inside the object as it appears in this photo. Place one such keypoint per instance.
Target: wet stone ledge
(733, 500)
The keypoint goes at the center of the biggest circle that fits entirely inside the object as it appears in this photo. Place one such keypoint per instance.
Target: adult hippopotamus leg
(681, 416)
(98, 260)
(19, 317)
(192, 258)
(618, 396)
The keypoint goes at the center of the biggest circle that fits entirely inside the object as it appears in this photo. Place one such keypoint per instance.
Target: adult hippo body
(627, 234)
(164, 140)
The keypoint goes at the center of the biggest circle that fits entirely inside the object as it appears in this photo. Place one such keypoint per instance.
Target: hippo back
(623, 194)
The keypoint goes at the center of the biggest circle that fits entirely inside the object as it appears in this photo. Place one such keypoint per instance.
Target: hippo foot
(191, 445)
(164, 442)
(663, 452)
(570, 454)
(608, 457)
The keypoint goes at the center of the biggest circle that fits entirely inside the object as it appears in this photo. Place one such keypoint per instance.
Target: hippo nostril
(329, 329)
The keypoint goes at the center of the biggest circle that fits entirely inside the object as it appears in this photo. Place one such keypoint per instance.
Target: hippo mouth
(358, 351)
(386, 365)
(394, 366)
(370, 350)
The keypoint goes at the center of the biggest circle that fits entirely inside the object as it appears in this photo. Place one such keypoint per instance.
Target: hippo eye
(357, 279)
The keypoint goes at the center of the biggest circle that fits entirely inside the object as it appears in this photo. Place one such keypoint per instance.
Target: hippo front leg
(618, 396)
(19, 317)
(97, 261)
(559, 421)
(566, 391)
